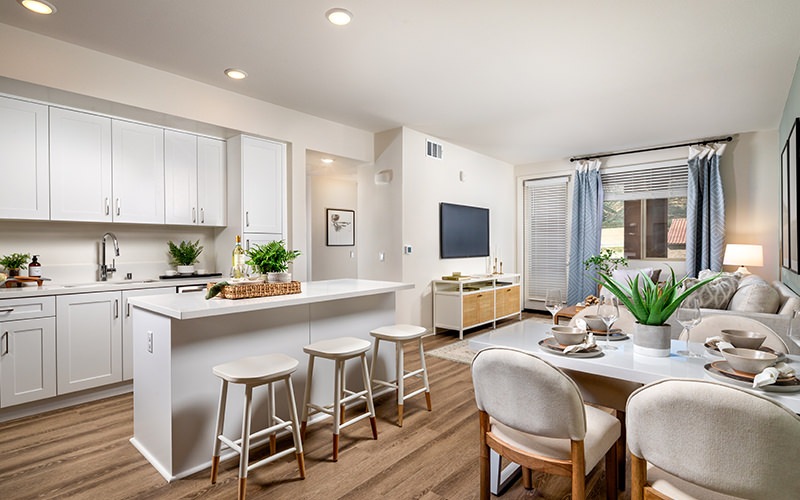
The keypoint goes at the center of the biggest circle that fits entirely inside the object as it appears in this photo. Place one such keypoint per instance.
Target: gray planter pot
(652, 340)
(279, 277)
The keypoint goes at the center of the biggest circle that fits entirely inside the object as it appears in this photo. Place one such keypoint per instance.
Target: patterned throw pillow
(716, 294)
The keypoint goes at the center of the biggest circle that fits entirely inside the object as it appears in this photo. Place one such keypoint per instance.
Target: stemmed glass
(608, 310)
(554, 301)
(688, 315)
(794, 327)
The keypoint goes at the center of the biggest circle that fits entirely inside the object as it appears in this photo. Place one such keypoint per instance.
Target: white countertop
(50, 288)
(195, 305)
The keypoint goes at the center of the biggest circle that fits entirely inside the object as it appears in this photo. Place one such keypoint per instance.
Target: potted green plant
(272, 260)
(184, 255)
(14, 262)
(651, 304)
(604, 263)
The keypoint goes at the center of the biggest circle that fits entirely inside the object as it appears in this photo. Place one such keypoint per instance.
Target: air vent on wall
(434, 150)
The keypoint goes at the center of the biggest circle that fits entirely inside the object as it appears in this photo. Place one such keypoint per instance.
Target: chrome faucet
(104, 269)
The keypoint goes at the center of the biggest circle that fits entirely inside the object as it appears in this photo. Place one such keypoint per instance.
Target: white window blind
(546, 236)
(645, 183)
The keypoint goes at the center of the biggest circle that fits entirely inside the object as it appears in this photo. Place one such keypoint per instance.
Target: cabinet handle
(202, 216)
(128, 310)
(118, 206)
(194, 215)
(108, 207)
(247, 219)
(5, 344)
(116, 308)
(10, 309)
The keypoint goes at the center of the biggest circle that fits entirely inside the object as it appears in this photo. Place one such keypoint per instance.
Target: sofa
(746, 295)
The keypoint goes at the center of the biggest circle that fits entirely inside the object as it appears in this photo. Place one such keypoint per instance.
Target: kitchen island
(177, 339)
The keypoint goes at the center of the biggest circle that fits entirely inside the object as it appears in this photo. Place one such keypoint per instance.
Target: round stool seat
(256, 369)
(341, 347)
(398, 332)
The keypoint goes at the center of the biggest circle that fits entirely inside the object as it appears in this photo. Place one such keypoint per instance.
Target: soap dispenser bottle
(35, 268)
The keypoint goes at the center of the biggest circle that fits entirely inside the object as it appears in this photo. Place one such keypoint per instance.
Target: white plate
(551, 345)
(721, 370)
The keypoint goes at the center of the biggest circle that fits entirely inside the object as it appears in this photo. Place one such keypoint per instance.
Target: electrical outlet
(407, 249)
(150, 342)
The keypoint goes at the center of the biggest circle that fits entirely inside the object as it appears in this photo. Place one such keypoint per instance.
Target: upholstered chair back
(711, 325)
(716, 436)
(528, 394)
(625, 322)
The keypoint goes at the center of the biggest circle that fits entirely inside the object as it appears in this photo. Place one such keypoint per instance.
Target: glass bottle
(238, 269)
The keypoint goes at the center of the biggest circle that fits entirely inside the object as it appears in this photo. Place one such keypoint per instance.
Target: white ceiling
(518, 80)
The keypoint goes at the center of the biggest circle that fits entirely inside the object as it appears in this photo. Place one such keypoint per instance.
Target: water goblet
(608, 310)
(688, 315)
(554, 301)
(794, 327)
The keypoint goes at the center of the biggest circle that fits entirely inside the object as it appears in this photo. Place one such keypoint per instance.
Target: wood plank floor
(83, 452)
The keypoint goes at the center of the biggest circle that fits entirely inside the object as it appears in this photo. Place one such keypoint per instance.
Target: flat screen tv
(463, 231)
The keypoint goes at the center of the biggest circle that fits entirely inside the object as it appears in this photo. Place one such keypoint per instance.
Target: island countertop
(194, 305)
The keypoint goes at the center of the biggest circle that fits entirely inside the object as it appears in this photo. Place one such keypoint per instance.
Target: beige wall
(331, 262)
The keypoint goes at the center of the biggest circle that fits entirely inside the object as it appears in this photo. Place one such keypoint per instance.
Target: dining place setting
(579, 340)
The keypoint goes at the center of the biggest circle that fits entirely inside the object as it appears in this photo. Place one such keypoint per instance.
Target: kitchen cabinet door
(138, 182)
(27, 360)
(211, 184)
(24, 160)
(127, 325)
(180, 178)
(88, 340)
(80, 166)
(263, 165)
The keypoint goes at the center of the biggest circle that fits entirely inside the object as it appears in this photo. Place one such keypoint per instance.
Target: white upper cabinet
(262, 185)
(180, 178)
(80, 166)
(138, 181)
(211, 173)
(23, 160)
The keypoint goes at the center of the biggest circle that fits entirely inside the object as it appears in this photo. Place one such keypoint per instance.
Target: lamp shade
(743, 255)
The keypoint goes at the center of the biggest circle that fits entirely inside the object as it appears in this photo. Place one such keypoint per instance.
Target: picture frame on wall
(794, 210)
(786, 231)
(341, 226)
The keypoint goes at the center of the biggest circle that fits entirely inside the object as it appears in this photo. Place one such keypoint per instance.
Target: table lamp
(743, 255)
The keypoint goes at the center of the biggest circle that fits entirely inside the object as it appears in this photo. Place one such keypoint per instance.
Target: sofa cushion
(716, 294)
(625, 275)
(755, 297)
(789, 306)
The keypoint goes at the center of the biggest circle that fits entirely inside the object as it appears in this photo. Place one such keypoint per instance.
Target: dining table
(622, 364)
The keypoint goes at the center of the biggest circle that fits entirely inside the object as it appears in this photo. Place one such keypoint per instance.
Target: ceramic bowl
(567, 335)
(743, 339)
(748, 360)
(594, 322)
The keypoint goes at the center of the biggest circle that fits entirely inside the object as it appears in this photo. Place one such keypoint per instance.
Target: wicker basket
(257, 290)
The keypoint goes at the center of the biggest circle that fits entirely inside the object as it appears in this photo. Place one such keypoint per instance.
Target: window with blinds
(644, 212)
(546, 236)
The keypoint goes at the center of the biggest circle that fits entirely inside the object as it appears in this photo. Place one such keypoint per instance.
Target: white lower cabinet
(89, 340)
(27, 350)
(127, 326)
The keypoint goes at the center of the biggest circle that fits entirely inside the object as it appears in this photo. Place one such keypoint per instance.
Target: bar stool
(400, 334)
(254, 371)
(339, 350)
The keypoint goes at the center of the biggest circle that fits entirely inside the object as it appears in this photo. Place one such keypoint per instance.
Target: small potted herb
(604, 263)
(184, 255)
(272, 260)
(14, 262)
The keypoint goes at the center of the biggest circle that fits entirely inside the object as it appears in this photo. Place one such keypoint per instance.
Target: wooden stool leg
(374, 358)
(223, 396)
(298, 443)
(368, 387)
(244, 458)
(400, 370)
(307, 396)
(527, 478)
(273, 438)
(425, 375)
(337, 397)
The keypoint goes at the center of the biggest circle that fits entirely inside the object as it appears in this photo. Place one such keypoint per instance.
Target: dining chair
(703, 439)
(711, 325)
(532, 414)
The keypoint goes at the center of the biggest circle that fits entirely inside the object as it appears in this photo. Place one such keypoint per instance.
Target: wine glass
(554, 302)
(608, 310)
(794, 327)
(688, 315)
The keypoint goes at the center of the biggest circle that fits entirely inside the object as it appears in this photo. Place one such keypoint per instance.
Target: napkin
(586, 346)
(770, 375)
(719, 343)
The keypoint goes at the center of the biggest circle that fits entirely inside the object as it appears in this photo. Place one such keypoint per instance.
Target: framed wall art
(786, 232)
(341, 227)
(792, 179)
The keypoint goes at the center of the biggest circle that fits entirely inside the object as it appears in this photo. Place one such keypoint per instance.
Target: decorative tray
(712, 349)
(551, 345)
(251, 290)
(721, 370)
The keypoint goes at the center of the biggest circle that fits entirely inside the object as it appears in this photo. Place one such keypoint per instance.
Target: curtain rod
(698, 143)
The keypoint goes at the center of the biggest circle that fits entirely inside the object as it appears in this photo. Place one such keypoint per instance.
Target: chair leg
(370, 404)
(621, 447)
(244, 458)
(638, 477)
(273, 438)
(425, 375)
(223, 396)
(527, 478)
(485, 483)
(307, 396)
(611, 472)
(400, 373)
(298, 443)
(337, 397)
(578, 471)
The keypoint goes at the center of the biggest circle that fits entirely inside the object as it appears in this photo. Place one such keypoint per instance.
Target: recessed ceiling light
(339, 17)
(236, 74)
(38, 6)
(327, 160)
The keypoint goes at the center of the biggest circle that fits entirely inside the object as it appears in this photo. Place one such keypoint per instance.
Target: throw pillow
(708, 273)
(756, 297)
(716, 294)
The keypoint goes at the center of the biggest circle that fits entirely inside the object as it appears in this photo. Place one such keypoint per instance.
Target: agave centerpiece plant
(651, 304)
